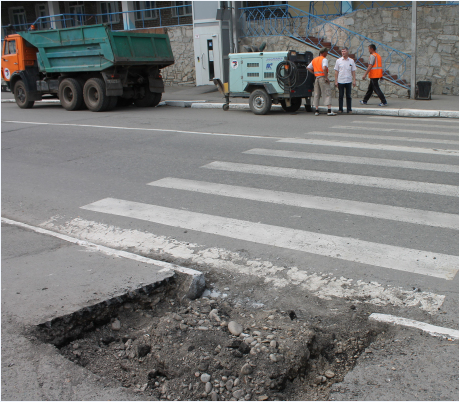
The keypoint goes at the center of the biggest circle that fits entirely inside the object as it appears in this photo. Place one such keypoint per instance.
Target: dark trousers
(348, 88)
(374, 86)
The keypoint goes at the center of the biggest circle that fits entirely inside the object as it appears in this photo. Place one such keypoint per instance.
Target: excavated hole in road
(162, 346)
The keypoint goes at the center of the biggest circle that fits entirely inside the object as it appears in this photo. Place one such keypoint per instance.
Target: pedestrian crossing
(356, 250)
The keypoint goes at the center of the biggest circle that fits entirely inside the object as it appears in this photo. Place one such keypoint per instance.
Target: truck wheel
(94, 95)
(260, 102)
(21, 96)
(150, 99)
(71, 94)
(295, 105)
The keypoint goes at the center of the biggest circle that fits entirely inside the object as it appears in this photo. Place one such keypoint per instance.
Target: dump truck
(269, 77)
(86, 66)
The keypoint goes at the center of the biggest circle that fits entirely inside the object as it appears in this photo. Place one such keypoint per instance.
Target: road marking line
(378, 147)
(356, 180)
(406, 322)
(390, 123)
(143, 129)
(393, 257)
(323, 285)
(378, 211)
(435, 120)
(393, 130)
(437, 167)
(382, 137)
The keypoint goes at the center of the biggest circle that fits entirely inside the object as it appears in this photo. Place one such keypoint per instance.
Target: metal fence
(333, 9)
(146, 18)
(285, 20)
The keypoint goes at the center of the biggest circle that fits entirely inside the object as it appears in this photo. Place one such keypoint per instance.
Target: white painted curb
(431, 329)
(363, 111)
(418, 113)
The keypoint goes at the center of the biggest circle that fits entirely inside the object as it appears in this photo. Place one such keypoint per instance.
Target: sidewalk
(46, 276)
(207, 96)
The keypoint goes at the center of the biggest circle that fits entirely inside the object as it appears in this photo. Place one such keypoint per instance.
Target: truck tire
(295, 105)
(21, 96)
(94, 95)
(71, 94)
(260, 102)
(151, 99)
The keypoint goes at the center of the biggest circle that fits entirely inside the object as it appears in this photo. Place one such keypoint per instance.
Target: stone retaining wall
(437, 39)
(182, 72)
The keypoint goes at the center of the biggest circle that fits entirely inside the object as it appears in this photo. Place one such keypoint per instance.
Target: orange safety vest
(317, 66)
(377, 70)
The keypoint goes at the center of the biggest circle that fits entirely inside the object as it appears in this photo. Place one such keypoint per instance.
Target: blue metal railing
(333, 9)
(146, 18)
(285, 20)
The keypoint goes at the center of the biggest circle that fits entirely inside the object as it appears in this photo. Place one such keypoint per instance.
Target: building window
(42, 11)
(146, 10)
(181, 8)
(18, 18)
(76, 9)
(107, 8)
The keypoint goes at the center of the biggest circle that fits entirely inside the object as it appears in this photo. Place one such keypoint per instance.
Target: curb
(193, 287)
(363, 111)
(202, 104)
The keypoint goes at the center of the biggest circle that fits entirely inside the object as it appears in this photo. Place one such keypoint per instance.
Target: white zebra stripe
(437, 167)
(403, 259)
(437, 121)
(398, 124)
(378, 147)
(393, 130)
(416, 216)
(383, 137)
(368, 181)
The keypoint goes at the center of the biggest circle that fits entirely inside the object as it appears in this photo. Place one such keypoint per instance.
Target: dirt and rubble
(221, 347)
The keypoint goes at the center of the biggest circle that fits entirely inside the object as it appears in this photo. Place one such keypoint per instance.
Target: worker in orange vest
(319, 67)
(374, 72)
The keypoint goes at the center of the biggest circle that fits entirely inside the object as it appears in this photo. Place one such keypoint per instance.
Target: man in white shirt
(345, 79)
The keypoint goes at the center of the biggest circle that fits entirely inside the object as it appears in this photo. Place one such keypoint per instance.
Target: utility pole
(413, 49)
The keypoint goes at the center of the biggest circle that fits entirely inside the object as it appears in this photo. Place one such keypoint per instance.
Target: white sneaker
(331, 114)
(316, 113)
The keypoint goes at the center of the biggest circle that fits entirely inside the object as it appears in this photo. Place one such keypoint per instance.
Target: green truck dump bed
(96, 48)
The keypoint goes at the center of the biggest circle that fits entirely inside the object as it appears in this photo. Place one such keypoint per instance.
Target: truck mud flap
(113, 86)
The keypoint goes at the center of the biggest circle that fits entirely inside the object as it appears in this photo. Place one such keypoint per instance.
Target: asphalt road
(343, 208)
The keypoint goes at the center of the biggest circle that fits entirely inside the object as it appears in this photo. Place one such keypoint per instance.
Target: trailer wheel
(295, 105)
(260, 102)
(21, 96)
(94, 95)
(71, 94)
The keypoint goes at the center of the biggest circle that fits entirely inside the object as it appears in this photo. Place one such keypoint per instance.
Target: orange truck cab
(19, 56)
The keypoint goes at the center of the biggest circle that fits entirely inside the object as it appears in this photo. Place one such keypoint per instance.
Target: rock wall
(182, 72)
(281, 43)
(437, 39)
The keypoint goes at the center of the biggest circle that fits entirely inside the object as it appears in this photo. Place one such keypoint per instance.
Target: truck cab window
(10, 47)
